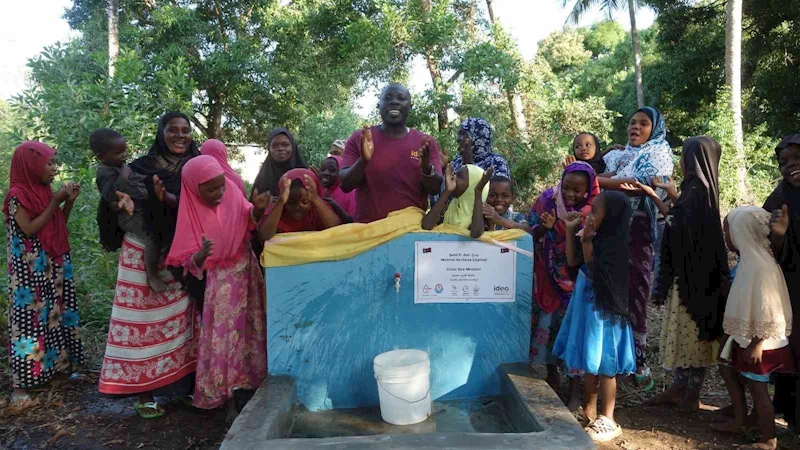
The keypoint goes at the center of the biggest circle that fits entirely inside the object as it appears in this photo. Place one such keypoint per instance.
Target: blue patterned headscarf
(652, 159)
(480, 133)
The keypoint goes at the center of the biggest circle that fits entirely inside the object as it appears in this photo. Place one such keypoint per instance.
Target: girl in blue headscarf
(647, 156)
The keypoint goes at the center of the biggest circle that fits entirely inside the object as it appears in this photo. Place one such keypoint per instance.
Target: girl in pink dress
(212, 244)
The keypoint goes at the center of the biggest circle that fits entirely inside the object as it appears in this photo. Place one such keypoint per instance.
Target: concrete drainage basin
(527, 414)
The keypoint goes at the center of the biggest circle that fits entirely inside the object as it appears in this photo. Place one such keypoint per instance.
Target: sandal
(603, 429)
(644, 379)
(142, 407)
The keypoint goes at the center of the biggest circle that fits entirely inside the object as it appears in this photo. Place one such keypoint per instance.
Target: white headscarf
(758, 304)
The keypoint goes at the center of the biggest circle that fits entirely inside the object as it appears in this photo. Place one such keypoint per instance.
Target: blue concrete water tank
(326, 321)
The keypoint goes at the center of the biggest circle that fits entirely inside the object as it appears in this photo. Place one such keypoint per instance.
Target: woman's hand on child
(125, 203)
(285, 188)
(449, 179)
(779, 222)
(311, 187)
(487, 175)
(548, 219)
(588, 230)
(637, 186)
(158, 187)
(367, 146)
(568, 160)
(573, 220)
(261, 201)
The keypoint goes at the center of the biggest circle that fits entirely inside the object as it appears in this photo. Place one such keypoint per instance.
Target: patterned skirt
(152, 337)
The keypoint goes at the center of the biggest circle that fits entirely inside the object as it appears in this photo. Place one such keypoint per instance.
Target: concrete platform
(527, 415)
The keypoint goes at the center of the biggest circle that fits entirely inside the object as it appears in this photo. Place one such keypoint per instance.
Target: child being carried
(114, 175)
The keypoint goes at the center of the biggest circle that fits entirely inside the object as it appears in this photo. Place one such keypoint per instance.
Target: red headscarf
(27, 166)
(345, 200)
(312, 221)
(217, 150)
(228, 224)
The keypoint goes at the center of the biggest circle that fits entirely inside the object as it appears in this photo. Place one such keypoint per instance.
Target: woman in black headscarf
(694, 270)
(283, 156)
(172, 148)
(162, 165)
(784, 204)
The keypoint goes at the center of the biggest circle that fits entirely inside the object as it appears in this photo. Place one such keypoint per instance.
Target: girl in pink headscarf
(217, 150)
(329, 179)
(212, 244)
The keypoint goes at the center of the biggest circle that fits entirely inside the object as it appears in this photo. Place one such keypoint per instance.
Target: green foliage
(603, 37)
(564, 50)
(318, 131)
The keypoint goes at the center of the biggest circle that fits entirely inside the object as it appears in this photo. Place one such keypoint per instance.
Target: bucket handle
(409, 402)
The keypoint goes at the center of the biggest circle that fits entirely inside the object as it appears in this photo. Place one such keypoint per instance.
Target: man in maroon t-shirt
(390, 166)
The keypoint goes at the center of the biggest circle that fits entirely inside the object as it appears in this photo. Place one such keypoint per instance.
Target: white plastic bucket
(404, 386)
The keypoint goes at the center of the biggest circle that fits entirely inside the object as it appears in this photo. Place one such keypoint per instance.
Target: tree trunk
(733, 77)
(637, 55)
(439, 87)
(518, 123)
(491, 11)
(113, 35)
(215, 118)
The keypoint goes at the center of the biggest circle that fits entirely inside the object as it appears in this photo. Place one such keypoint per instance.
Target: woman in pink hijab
(217, 150)
(212, 244)
(329, 179)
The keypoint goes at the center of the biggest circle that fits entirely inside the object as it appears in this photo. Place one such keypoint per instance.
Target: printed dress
(232, 352)
(43, 309)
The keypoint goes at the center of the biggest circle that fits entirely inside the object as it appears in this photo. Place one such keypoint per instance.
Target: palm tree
(582, 6)
(733, 78)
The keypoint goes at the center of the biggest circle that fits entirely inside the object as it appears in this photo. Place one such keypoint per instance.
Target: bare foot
(689, 405)
(771, 444)
(155, 283)
(731, 426)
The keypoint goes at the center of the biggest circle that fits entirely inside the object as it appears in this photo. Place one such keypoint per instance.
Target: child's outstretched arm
(326, 213)
(269, 226)
(477, 226)
(663, 208)
(431, 219)
(573, 221)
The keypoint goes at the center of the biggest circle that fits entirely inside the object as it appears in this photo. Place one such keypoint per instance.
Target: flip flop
(141, 407)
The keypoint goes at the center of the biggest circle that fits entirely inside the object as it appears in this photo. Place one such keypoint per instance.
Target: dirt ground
(73, 415)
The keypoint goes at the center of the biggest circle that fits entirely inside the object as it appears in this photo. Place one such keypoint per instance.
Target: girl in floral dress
(212, 243)
(43, 313)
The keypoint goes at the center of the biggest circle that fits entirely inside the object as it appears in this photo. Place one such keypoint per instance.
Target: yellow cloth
(679, 347)
(459, 211)
(347, 241)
